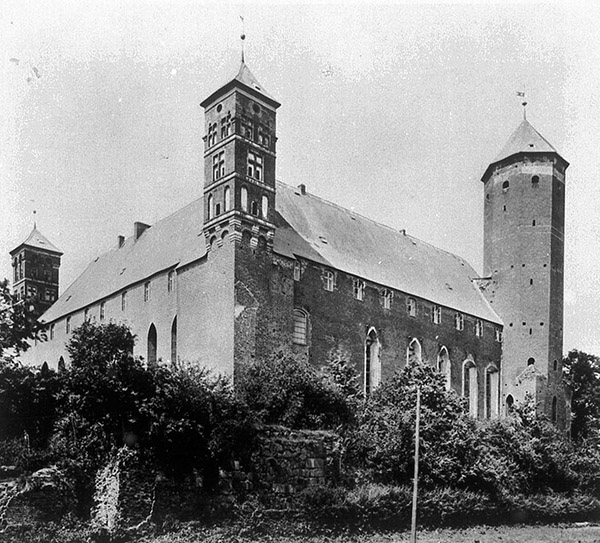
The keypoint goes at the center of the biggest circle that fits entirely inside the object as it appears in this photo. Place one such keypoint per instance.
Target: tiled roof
(308, 227)
(525, 139)
(336, 237)
(37, 240)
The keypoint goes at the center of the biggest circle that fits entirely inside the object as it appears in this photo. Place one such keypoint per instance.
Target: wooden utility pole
(413, 531)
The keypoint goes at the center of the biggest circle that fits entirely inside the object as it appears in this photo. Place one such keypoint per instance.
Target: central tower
(524, 217)
(239, 163)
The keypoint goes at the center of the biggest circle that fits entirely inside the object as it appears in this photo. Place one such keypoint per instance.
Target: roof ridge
(398, 232)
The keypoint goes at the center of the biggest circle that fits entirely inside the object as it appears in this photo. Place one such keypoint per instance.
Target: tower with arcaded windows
(239, 163)
(36, 264)
(523, 262)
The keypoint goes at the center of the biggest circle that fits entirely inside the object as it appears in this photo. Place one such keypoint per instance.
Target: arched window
(61, 364)
(227, 200)
(246, 237)
(531, 361)
(261, 243)
(554, 413)
(209, 209)
(492, 384)
(505, 186)
(510, 402)
(152, 344)
(535, 180)
(470, 391)
(254, 209)
(414, 352)
(372, 362)
(244, 198)
(300, 332)
(443, 365)
(265, 207)
(174, 342)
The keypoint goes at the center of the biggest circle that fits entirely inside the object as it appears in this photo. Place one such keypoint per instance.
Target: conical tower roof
(246, 80)
(524, 140)
(38, 241)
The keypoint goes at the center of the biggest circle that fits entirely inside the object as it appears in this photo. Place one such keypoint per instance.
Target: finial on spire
(524, 104)
(243, 38)
(34, 221)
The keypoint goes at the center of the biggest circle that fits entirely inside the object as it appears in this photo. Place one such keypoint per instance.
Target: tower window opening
(372, 362)
(498, 335)
(255, 165)
(505, 186)
(263, 137)
(227, 200)
(554, 409)
(254, 208)
(212, 134)
(68, 325)
(535, 180)
(217, 209)
(533, 222)
(503, 208)
(124, 301)
(225, 126)
(531, 281)
(218, 165)
(530, 361)
(414, 353)
(541, 324)
(244, 198)
(555, 365)
(530, 331)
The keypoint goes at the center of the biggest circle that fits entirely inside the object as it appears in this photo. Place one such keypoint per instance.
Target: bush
(290, 392)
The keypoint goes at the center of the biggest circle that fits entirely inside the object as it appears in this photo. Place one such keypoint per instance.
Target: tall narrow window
(218, 165)
(358, 287)
(328, 280)
(244, 198)
(52, 331)
(174, 341)
(411, 307)
(554, 413)
(68, 325)
(102, 310)
(247, 128)
(209, 209)
(478, 328)
(444, 365)
(498, 335)
(436, 314)
(470, 392)
(491, 392)
(414, 352)
(300, 332)
(297, 271)
(86, 314)
(212, 134)
(225, 126)
(227, 200)
(263, 136)
(146, 291)
(265, 207)
(459, 321)
(124, 301)
(255, 165)
(170, 281)
(510, 402)
(152, 343)
(386, 298)
(372, 375)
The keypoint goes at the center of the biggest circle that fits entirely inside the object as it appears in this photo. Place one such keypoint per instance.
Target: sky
(393, 110)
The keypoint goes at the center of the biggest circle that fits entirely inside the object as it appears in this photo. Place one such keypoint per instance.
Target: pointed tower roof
(524, 140)
(38, 241)
(246, 80)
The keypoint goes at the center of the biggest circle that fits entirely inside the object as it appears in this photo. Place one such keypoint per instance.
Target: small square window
(358, 287)
(329, 280)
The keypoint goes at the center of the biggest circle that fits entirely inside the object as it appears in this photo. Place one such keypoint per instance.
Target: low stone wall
(130, 492)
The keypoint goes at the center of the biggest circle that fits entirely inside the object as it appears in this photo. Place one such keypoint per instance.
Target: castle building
(256, 267)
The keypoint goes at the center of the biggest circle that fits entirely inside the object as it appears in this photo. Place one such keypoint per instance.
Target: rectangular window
(300, 334)
(329, 280)
(218, 165)
(247, 128)
(297, 271)
(225, 126)
(52, 331)
(124, 301)
(146, 291)
(68, 325)
(386, 298)
(170, 281)
(459, 321)
(478, 328)
(411, 307)
(263, 137)
(358, 288)
(102, 310)
(212, 134)
(498, 333)
(255, 165)
(86, 314)
(436, 314)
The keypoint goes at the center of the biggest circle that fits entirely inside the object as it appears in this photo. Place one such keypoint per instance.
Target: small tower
(239, 163)
(524, 215)
(36, 263)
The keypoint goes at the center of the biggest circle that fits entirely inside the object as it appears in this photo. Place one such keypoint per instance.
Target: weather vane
(242, 37)
(524, 104)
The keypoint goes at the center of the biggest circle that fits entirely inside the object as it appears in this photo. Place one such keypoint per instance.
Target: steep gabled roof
(38, 241)
(341, 239)
(307, 227)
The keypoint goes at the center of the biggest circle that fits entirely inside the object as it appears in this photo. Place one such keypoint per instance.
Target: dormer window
(255, 165)
(218, 165)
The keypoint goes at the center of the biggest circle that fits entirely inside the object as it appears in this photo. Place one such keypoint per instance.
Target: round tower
(524, 191)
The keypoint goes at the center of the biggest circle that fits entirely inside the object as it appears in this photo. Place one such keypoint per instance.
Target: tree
(582, 374)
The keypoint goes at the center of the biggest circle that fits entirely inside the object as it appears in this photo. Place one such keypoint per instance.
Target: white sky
(393, 110)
